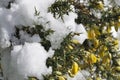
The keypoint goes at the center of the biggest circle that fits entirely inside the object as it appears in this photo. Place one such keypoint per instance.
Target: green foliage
(99, 52)
(37, 13)
(60, 8)
(38, 29)
(62, 60)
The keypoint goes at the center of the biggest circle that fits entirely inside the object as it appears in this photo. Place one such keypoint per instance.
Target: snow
(83, 33)
(20, 13)
(117, 2)
(61, 28)
(81, 75)
(28, 60)
(4, 3)
(4, 38)
(114, 33)
(27, 37)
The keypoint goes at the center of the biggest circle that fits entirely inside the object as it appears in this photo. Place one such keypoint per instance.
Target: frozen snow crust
(28, 60)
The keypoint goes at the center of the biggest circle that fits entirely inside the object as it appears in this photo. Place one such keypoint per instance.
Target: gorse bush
(99, 54)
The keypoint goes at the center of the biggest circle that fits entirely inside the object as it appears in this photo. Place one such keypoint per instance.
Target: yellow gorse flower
(108, 29)
(102, 51)
(98, 59)
(105, 60)
(112, 23)
(75, 41)
(117, 68)
(104, 48)
(118, 17)
(118, 24)
(96, 43)
(100, 5)
(92, 58)
(91, 34)
(109, 56)
(70, 47)
(101, 54)
(98, 78)
(61, 78)
(74, 70)
(115, 42)
(96, 30)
